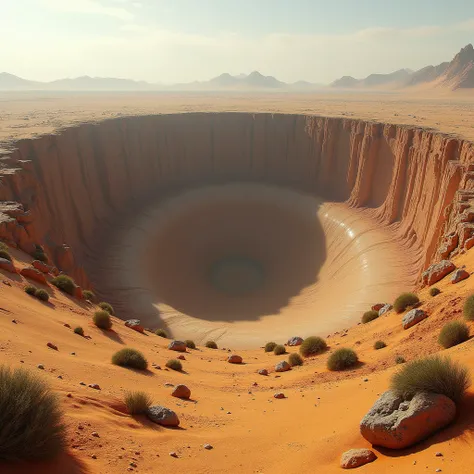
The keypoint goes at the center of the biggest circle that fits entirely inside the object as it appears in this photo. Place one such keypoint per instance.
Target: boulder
(162, 416)
(413, 317)
(282, 366)
(385, 309)
(41, 266)
(377, 307)
(459, 275)
(134, 324)
(234, 359)
(397, 422)
(33, 274)
(178, 346)
(263, 372)
(357, 457)
(181, 391)
(7, 265)
(295, 341)
(437, 272)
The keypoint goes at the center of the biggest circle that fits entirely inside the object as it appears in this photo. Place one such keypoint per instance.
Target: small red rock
(181, 357)
(52, 346)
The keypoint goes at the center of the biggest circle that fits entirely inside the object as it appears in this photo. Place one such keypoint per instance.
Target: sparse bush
(30, 417)
(400, 360)
(161, 333)
(432, 374)
(404, 301)
(3, 246)
(453, 333)
(39, 254)
(137, 402)
(295, 359)
(79, 331)
(174, 364)
(107, 307)
(88, 295)
(211, 345)
(379, 345)
(64, 283)
(369, 316)
(434, 291)
(42, 295)
(31, 290)
(5, 254)
(312, 345)
(190, 344)
(279, 350)
(469, 308)
(342, 359)
(102, 320)
(269, 346)
(129, 357)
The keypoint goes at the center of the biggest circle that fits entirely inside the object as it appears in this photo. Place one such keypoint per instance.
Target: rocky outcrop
(33, 274)
(413, 317)
(437, 272)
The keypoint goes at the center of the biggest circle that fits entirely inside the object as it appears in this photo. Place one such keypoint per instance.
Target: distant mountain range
(457, 74)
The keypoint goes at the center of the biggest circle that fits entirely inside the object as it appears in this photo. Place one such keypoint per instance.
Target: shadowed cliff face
(240, 227)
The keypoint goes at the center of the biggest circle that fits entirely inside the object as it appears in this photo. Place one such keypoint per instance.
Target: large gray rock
(437, 272)
(282, 366)
(357, 457)
(396, 422)
(162, 416)
(413, 317)
(295, 341)
(178, 346)
(385, 308)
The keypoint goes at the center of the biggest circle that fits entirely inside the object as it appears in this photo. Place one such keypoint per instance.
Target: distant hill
(11, 82)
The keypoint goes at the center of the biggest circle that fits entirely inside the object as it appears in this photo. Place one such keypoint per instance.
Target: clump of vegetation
(5, 252)
(313, 345)
(107, 307)
(190, 344)
(39, 254)
(279, 350)
(161, 333)
(400, 360)
(30, 417)
(64, 283)
(102, 320)
(129, 357)
(211, 345)
(174, 364)
(79, 331)
(379, 345)
(433, 374)
(434, 291)
(295, 359)
(405, 301)
(270, 346)
(453, 333)
(31, 290)
(369, 316)
(342, 359)
(88, 295)
(137, 402)
(42, 295)
(468, 309)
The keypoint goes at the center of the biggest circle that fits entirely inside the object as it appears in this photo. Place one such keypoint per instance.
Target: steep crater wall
(324, 215)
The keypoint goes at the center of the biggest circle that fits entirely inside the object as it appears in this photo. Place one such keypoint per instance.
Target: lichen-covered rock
(413, 317)
(181, 391)
(357, 457)
(282, 366)
(34, 274)
(385, 308)
(234, 359)
(134, 324)
(162, 416)
(459, 275)
(178, 346)
(295, 341)
(396, 422)
(437, 272)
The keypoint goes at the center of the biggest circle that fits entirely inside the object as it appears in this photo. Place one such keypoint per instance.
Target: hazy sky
(184, 40)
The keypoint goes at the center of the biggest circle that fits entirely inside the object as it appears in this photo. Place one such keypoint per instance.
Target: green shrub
(432, 374)
(79, 331)
(31, 290)
(102, 320)
(453, 333)
(5, 254)
(404, 301)
(30, 418)
(379, 345)
(39, 254)
(211, 345)
(4, 246)
(400, 360)
(469, 308)
(137, 402)
(42, 295)
(190, 344)
(434, 291)
(312, 345)
(270, 346)
(295, 359)
(369, 316)
(64, 283)
(161, 333)
(279, 350)
(174, 364)
(342, 359)
(129, 357)
(107, 307)
(88, 295)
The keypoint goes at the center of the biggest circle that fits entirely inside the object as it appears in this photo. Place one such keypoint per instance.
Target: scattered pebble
(94, 456)
(279, 395)
(95, 434)
(14, 321)
(52, 346)
(41, 366)
(73, 353)
(94, 386)
(133, 464)
(438, 454)
(173, 454)
(60, 377)
(208, 446)
(82, 383)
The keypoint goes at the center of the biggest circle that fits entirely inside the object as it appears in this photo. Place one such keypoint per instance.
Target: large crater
(240, 228)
